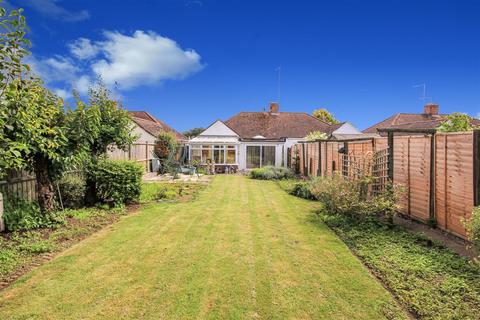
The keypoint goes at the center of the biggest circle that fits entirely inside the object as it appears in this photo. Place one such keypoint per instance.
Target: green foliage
(116, 182)
(351, 197)
(193, 132)
(473, 227)
(72, 188)
(165, 149)
(325, 116)
(430, 280)
(302, 189)
(456, 122)
(271, 173)
(21, 214)
(316, 135)
(156, 191)
(101, 123)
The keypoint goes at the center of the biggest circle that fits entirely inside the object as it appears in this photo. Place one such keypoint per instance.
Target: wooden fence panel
(450, 200)
(140, 152)
(419, 177)
(19, 184)
(454, 181)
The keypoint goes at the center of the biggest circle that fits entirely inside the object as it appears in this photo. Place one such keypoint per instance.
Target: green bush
(473, 227)
(342, 196)
(72, 188)
(302, 189)
(116, 182)
(21, 214)
(271, 173)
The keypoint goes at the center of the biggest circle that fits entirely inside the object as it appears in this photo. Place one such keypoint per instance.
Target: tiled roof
(153, 125)
(275, 125)
(411, 121)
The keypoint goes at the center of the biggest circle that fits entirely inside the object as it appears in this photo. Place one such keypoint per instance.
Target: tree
(37, 133)
(165, 148)
(37, 126)
(316, 135)
(13, 48)
(325, 115)
(192, 133)
(456, 122)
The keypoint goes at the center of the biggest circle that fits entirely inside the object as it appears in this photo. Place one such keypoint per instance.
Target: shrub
(72, 188)
(342, 196)
(302, 189)
(271, 173)
(117, 182)
(21, 214)
(473, 227)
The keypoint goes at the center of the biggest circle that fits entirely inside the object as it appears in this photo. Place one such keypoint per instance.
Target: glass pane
(219, 156)
(253, 156)
(268, 156)
(196, 155)
(231, 157)
(207, 155)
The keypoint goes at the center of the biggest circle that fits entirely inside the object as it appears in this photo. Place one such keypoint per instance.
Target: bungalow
(255, 139)
(429, 119)
(147, 127)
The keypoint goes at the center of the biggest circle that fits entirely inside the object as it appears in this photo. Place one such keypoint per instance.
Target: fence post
(476, 167)
(432, 179)
(2, 224)
(319, 173)
(390, 156)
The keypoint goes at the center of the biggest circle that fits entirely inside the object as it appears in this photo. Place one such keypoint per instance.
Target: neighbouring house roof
(152, 125)
(412, 121)
(275, 125)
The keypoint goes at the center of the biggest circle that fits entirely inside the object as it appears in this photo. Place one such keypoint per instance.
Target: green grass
(20, 248)
(157, 191)
(432, 281)
(244, 249)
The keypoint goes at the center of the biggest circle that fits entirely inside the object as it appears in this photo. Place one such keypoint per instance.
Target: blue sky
(190, 62)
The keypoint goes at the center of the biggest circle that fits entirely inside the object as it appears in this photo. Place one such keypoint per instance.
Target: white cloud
(62, 93)
(52, 9)
(83, 48)
(122, 61)
(143, 58)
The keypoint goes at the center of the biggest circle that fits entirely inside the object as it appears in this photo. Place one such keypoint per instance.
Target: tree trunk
(45, 190)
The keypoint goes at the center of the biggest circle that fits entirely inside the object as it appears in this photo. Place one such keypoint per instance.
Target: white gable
(347, 128)
(218, 128)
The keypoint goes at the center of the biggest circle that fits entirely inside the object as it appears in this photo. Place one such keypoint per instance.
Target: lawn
(242, 249)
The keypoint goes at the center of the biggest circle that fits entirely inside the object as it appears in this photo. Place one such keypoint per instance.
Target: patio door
(253, 157)
(259, 156)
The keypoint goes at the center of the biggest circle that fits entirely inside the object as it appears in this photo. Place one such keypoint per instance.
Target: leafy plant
(302, 189)
(473, 227)
(21, 214)
(271, 173)
(325, 116)
(165, 149)
(72, 189)
(316, 135)
(116, 182)
(456, 122)
(429, 279)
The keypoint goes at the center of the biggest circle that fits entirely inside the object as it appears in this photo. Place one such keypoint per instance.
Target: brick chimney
(274, 107)
(431, 109)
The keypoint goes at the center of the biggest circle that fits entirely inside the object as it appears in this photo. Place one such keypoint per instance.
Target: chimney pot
(431, 109)
(274, 107)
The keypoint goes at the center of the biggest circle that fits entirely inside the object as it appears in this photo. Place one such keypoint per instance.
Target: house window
(219, 154)
(259, 156)
(231, 156)
(253, 156)
(268, 156)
